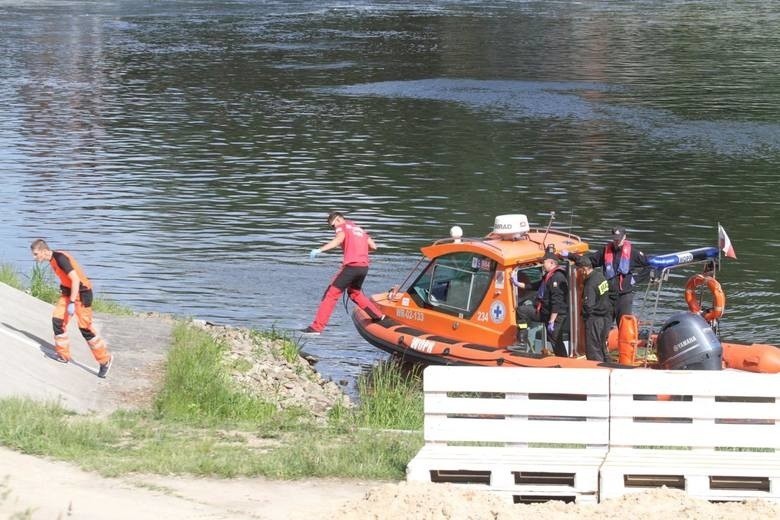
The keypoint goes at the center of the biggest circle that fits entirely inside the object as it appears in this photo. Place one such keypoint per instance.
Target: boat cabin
(465, 291)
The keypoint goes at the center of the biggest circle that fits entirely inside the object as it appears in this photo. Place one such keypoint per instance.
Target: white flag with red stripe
(725, 243)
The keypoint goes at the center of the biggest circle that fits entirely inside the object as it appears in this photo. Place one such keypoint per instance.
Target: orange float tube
(718, 296)
(753, 358)
(628, 337)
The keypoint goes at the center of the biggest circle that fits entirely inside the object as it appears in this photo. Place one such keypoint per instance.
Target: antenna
(547, 231)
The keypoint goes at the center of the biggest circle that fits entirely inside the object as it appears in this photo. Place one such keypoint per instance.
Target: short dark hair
(618, 232)
(333, 215)
(39, 244)
(583, 261)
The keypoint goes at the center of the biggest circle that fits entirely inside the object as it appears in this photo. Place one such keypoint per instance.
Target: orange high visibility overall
(62, 264)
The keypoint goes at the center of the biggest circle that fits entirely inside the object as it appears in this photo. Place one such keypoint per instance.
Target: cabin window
(530, 276)
(455, 284)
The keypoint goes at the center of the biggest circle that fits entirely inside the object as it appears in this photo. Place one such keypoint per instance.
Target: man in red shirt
(356, 244)
(75, 299)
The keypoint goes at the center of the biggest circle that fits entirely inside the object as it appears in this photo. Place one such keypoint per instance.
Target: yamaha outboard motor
(686, 342)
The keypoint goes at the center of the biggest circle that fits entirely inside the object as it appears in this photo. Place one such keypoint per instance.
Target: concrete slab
(28, 370)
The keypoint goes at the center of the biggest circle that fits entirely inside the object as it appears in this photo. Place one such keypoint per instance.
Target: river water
(188, 152)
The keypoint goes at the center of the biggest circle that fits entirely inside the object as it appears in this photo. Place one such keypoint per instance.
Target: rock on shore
(262, 365)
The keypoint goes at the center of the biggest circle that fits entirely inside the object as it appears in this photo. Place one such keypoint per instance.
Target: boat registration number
(422, 345)
(410, 314)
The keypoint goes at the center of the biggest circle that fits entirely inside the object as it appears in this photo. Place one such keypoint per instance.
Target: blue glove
(314, 252)
(564, 253)
(71, 309)
(550, 327)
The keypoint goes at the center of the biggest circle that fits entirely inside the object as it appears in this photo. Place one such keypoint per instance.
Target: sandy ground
(38, 488)
(50, 490)
(43, 489)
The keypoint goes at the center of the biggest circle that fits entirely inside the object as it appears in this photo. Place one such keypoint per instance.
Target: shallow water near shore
(188, 152)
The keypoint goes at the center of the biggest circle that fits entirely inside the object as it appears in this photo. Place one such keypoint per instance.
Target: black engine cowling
(687, 342)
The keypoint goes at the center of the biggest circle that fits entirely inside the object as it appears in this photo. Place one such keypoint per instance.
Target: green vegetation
(197, 387)
(44, 287)
(391, 397)
(9, 276)
(42, 284)
(203, 424)
(291, 347)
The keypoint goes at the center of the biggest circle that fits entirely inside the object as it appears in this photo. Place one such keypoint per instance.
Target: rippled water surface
(188, 152)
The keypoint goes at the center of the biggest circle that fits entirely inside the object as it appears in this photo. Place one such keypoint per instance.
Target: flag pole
(720, 249)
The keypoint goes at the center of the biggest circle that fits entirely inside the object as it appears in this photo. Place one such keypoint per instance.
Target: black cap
(549, 255)
(583, 261)
(618, 232)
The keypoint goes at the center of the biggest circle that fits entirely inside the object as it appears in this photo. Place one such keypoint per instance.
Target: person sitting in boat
(551, 305)
(623, 265)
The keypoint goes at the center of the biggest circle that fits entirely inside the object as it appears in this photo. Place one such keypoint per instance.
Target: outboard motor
(686, 342)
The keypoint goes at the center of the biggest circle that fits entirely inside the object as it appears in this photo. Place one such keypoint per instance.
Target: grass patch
(10, 276)
(290, 346)
(202, 424)
(42, 284)
(109, 306)
(391, 397)
(44, 287)
(198, 388)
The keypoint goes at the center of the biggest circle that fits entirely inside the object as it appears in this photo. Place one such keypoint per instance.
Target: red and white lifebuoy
(718, 296)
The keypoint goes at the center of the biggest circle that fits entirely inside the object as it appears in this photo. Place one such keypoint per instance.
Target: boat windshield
(455, 284)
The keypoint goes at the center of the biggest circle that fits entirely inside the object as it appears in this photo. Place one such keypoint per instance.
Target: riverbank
(200, 420)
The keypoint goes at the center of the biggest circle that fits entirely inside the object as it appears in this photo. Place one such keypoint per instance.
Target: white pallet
(515, 410)
(690, 439)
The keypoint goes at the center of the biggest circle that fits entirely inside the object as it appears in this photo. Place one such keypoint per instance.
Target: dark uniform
(623, 266)
(597, 314)
(552, 297)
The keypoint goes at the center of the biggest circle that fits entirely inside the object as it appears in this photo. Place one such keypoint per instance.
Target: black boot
(522, 336)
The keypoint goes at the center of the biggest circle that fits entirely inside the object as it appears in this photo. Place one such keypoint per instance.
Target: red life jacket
(624, 265)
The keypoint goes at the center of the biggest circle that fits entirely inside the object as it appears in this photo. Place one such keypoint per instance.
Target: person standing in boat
(356, 244)
(596, 310)
(623, 265)
(551, 306)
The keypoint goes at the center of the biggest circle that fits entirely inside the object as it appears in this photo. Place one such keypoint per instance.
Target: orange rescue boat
(460, 308)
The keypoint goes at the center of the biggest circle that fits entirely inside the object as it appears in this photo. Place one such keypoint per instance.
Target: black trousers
(527, 313)
(623, 305)
(596, 332)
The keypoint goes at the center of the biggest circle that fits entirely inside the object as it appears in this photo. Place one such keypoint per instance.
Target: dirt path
(50, 490)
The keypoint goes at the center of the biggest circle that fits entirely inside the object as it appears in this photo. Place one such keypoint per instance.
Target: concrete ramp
(139, 345)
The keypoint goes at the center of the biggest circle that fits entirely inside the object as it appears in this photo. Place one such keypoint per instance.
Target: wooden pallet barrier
(714, 434)
(528, 434)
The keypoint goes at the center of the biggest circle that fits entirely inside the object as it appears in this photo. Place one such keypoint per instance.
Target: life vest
(624, 265)
(63, 276)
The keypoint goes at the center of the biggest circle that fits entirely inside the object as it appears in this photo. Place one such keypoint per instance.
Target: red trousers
(349, 278)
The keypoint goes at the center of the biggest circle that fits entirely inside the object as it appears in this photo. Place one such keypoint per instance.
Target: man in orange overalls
(76, 298)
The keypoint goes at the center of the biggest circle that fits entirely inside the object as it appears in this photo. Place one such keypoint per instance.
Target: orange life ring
(718, 296)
